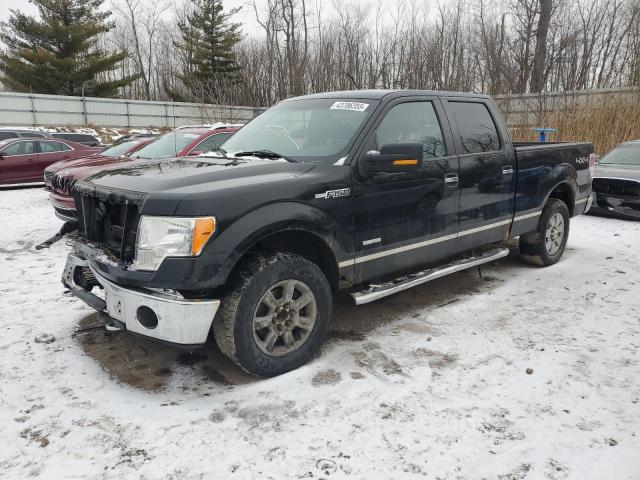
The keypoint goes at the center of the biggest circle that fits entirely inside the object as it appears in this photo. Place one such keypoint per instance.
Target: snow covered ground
(430, 383)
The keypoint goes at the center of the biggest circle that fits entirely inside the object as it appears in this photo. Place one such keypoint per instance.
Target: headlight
(161, 237)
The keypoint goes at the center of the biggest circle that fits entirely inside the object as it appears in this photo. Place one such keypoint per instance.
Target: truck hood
(189, 175)
(630, 172)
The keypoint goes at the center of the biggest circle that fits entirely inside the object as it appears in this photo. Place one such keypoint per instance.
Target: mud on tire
(546, 245)
(265, 299)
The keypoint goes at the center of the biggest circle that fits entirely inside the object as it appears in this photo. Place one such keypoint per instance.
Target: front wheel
(546, 245)
(276, 314)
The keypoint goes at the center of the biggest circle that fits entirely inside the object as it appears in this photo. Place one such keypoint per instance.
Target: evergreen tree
(58, 52)
(208, 40)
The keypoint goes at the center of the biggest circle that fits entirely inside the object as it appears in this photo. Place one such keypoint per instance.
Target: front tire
(276, 314)
(546, 245)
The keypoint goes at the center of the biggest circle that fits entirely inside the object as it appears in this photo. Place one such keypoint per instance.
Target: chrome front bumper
(160, 316)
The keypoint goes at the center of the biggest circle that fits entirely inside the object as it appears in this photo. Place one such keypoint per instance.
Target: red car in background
(60, 178)
(23, 160)
(185, 142)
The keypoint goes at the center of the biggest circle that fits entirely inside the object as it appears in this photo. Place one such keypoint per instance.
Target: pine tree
(208, 40)
(58, 52)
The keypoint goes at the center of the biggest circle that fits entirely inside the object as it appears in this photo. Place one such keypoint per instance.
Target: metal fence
(23, 109)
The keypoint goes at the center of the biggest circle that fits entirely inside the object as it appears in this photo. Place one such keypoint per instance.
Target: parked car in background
(9, 133)
(616, 182)
(23, 160)
(185, 142)
(83, 138)
(60, 176)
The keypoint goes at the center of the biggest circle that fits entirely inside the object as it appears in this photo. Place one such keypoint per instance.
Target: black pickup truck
(368, 192)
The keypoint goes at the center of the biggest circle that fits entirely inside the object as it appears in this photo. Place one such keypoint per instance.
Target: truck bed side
(554, 169)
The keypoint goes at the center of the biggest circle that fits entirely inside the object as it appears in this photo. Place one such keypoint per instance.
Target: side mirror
(194, 153)
(2, 154)
(394, 158)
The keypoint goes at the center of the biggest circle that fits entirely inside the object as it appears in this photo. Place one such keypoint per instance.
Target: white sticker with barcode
(354, 106)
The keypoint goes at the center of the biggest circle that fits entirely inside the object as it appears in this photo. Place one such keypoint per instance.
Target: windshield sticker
(353, 106)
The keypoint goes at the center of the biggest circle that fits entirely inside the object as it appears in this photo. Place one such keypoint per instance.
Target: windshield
(119, 149)
(622, 155)
(167, 145)
(304, 130)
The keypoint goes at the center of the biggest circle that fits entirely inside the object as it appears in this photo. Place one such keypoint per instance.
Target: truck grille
(111, 224)
(614, 186)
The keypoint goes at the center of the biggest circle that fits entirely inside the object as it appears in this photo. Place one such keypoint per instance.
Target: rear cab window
(477, 130)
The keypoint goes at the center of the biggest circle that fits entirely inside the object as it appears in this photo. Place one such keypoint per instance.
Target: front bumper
(160, 316)
(64, 206)
(628, 208)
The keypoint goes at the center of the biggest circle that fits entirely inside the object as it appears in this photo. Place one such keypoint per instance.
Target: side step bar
(377, 291)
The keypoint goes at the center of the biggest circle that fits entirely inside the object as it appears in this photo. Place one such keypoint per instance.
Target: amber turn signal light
(202, 230)
(398, 163)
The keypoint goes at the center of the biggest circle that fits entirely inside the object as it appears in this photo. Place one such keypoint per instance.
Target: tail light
(593, 160)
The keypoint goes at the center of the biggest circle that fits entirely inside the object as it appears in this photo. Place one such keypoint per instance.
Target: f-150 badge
(342, 192)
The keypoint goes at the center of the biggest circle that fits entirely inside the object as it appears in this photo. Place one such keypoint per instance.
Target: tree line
(194, 50)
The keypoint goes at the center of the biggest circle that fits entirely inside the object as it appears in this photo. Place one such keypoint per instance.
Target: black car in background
(616, 182)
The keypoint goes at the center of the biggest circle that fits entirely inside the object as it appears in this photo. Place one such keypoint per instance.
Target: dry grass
(605, 122)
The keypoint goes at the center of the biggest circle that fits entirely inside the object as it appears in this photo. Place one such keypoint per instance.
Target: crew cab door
(487, 172)
(405, 219)
(18, 162)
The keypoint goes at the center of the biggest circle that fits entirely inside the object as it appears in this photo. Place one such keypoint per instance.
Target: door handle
(507, 170)
(29, 160)
(451, 178)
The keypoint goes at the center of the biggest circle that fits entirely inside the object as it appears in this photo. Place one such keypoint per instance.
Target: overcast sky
(246, 15)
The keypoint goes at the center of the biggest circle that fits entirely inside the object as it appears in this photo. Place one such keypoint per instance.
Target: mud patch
(326, 377)
(269, 416)
(437, 360)
(149, 365)
(35, 436)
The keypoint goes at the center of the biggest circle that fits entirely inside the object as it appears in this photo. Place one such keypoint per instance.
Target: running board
(377, 291)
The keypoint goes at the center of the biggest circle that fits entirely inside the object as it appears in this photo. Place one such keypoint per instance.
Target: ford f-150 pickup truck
(368, 192)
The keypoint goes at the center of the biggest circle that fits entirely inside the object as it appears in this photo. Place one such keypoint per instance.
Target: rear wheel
(276, 314)
(546, 245)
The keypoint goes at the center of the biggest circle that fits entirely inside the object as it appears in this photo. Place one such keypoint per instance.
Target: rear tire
(276, 314)
(546, 245)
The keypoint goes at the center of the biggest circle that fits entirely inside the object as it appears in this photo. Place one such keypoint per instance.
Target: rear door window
(52, 146)
(478, 132)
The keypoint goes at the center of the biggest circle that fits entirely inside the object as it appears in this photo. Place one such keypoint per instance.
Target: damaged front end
(105, 241)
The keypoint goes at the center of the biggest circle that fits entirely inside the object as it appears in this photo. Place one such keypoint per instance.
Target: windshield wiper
(263, 154)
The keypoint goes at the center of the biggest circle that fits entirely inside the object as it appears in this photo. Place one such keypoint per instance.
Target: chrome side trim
(375, 292)
(432, 241)
(371, 241)
(582, 200)
(28, 184)
(483, 228)
(527, 215)
(404, 248)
